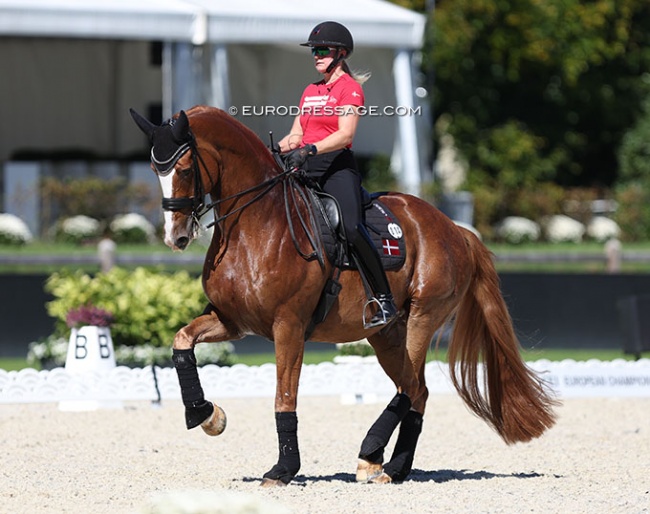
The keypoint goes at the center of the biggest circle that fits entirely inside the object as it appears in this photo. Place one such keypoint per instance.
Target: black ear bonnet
(169, 141)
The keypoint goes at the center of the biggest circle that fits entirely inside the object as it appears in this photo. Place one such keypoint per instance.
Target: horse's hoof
(216, 423)
(272, 482)
(382, 478)
(368, 471)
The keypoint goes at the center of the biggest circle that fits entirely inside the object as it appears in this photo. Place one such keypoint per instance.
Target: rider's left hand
(296, 158)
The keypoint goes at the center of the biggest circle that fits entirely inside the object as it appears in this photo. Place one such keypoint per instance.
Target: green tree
(634, 154)
(565, 75)
(633, 191)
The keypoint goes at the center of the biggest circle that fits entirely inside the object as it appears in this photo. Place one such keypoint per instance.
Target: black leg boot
(370, 265)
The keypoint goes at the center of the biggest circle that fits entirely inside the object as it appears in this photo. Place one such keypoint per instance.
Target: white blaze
(166, 186)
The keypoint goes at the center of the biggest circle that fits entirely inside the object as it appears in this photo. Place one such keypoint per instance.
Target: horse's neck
(247, 182)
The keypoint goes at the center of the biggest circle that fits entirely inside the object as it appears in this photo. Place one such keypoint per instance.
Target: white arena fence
(354, 379)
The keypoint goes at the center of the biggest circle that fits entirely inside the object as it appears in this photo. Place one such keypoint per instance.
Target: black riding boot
(369, 262)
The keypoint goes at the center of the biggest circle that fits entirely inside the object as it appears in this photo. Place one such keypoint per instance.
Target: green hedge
(149, 307)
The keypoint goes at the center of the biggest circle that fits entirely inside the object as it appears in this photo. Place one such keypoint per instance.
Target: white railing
(358, 380)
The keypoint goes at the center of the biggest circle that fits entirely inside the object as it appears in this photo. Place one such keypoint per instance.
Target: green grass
(561, 253)
(316, 357)
(13, 363)
(557, 354)
(561, 257)
(60, 251)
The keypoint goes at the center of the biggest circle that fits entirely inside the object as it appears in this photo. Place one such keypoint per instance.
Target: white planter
(90, 349)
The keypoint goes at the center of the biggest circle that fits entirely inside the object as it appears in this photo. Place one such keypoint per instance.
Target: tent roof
(372, 22)
(101, 19)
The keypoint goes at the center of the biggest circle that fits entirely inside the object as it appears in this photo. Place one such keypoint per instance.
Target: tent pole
(219, 80)
(409, 173)
(167, 79)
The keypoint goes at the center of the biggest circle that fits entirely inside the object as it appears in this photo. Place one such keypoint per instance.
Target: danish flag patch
(390, 247)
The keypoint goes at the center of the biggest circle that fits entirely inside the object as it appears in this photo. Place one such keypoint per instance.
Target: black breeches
(336, 173)
(345, 186)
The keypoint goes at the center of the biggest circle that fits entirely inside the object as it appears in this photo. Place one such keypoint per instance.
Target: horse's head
(175, 161)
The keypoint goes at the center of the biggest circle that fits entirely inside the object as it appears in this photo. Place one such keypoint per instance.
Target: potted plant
(91, 346)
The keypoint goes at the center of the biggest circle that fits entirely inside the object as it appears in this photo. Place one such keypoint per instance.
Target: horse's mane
(233, 133)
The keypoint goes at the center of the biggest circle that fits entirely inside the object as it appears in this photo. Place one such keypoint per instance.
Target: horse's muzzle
(182, 242)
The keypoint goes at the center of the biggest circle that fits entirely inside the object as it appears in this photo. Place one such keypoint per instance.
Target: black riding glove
(296, 158)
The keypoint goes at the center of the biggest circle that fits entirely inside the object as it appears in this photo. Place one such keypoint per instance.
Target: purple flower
(89, 315)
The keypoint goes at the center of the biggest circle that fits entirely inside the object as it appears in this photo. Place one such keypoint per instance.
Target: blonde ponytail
(360, 76)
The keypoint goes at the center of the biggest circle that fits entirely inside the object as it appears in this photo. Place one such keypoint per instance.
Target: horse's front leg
(288, 356)
(198, 411)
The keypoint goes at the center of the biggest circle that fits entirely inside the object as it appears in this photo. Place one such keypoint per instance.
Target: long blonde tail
(513, 399)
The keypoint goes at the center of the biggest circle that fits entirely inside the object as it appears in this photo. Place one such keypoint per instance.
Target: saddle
(384, 230)
(383, 227)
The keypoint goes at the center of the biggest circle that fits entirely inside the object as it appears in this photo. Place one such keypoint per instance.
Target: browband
(164, 167)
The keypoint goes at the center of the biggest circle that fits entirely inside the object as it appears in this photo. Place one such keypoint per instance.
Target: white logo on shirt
(354, 93)
(313, 101)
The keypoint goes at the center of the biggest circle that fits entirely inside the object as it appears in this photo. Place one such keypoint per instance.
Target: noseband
(163, 168)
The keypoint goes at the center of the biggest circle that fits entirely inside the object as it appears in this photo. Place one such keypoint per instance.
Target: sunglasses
(321, 51)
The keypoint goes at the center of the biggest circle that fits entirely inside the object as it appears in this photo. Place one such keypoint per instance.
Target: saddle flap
(332, 210)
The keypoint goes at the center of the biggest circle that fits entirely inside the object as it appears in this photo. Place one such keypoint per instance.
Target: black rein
(292, 190)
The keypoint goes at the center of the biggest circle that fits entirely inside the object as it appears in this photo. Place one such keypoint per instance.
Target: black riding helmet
(330, 33)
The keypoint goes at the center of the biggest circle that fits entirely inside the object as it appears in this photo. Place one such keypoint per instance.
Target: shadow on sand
(417, 475)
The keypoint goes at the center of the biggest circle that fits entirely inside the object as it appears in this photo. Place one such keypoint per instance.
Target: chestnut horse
(258, 280)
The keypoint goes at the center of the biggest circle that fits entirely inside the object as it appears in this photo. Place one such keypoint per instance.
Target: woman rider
(320, 142)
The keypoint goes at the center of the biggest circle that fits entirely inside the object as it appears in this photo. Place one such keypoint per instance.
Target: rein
(293, 182)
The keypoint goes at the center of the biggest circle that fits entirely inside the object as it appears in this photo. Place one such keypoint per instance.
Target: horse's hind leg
(371, 454)
(401, 462)
(390, 349)
(404, 364)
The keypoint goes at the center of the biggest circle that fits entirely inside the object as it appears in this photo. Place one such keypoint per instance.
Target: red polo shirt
(322, 104)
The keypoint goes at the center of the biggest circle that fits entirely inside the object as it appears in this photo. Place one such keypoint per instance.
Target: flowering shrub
(49, 352)
(517, 230)
(602, 229)
(52, 352)
(132, 228)
(13, 230)
(88, 315)
(77, 229)
(221, 354)
(561, 228)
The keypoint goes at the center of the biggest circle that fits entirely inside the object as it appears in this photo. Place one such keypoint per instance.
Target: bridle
(163, 168)
(197, 202)
(293, 181)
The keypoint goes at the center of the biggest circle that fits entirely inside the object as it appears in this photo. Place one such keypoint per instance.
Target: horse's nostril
(182, 242)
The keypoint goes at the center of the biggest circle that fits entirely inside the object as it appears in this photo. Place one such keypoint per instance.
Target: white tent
(71, 69)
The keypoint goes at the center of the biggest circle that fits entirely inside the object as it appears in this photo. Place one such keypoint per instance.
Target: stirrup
(381, 317)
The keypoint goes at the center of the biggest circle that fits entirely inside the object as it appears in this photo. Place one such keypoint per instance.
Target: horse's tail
(510, 397)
